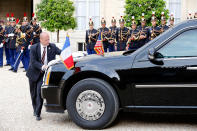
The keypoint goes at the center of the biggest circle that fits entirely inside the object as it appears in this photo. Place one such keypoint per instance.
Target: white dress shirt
(42, 49)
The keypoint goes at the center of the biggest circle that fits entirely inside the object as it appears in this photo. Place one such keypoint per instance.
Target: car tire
(92, 104)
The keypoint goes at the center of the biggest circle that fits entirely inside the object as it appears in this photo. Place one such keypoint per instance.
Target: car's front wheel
(92, 103)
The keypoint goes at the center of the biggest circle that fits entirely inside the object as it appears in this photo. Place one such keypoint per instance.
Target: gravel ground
(16, 112)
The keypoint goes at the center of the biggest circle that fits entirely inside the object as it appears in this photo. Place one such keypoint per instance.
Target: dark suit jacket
(35, 65)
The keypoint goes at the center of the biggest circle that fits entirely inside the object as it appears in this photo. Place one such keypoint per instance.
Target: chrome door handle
(191, 68)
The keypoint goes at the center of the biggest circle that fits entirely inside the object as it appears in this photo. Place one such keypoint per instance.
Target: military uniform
(36, 31)
(122, 34)
(133, 38)
(144, 31)
(6, 42)
(105, 35)
(1, 43)
(12, 41)
(163, 27)
(171, 21)
(22, 49)
(112, 35)
(91, 38)
(154, 30)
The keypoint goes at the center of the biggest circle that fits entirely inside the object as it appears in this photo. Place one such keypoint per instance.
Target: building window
(174, 7)
(84, 9)
(81, 46)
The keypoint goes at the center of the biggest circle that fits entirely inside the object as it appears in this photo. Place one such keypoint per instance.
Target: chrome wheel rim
(90, 105)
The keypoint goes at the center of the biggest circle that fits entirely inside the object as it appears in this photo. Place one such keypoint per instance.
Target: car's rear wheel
(92, 103)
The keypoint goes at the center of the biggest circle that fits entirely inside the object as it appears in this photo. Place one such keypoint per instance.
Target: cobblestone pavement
(16, 112)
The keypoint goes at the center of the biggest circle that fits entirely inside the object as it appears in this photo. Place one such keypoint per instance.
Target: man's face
(121, 25)
(163, 22)
(113, 24)
(143, 24)
(153, 23)
(133, 26)
(13, 23)
(171, 22)
(8, 23)
(44, 40)
(91, 27)
(103, 25)
(34, 22)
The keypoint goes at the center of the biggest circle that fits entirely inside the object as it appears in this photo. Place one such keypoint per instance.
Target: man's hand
(44, 67)
(1, 45)
(29, 47)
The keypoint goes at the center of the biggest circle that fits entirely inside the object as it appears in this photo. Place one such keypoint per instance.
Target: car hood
(114, 60)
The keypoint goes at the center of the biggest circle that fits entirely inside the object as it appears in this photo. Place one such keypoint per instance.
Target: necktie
(43, 55)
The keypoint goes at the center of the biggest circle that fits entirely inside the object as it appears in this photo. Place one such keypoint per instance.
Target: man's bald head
(44, 38)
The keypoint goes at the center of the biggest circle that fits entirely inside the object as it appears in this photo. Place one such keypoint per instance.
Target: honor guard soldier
(112, 35)
(171, 21)
(36, 30)
(122, 34)
(189, 15)
(12, 40)
(133, 39)
(23, 41)
(154, 29)
(195, 15)
(91, 38)
(144, 32)
(7, 27)
(163, 27)
(1, 42)
(105, 33)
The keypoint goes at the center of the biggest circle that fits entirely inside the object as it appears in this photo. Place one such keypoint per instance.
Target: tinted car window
(184, 45)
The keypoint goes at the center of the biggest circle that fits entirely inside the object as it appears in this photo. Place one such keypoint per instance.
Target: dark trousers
(35, 91)
(90, 51)
(24, 57)
(7, 55)
(12, 53)
(1, 56)
(121, 46)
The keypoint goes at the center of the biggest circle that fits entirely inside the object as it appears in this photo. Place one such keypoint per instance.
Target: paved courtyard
(16, 112)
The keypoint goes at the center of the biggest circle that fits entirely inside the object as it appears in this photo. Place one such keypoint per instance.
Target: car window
(184, 45)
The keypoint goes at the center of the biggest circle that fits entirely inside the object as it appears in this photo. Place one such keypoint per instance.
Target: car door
(172, 84)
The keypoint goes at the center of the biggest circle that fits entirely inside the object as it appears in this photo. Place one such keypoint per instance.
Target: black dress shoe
(15, 71)
(38, 118)
(22, 67)
(11, 69)
(6, 64)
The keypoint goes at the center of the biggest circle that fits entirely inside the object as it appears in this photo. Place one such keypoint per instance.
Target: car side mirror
(153, 55)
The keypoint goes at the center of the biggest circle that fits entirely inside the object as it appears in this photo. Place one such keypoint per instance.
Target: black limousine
(161, 76)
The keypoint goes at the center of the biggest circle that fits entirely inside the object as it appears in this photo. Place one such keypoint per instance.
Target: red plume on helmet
(33, 14)
(8, 15)
(12, 15)
(25, 14)
(17, 20)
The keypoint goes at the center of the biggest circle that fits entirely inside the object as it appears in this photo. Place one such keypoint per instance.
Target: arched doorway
(18, 7)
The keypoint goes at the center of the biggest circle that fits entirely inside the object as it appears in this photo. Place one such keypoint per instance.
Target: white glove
(21, 51)
(12, 34)
(44, 67)
(1, 45)
(29, 47)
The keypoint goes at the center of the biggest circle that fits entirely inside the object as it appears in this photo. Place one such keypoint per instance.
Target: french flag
(66, 55)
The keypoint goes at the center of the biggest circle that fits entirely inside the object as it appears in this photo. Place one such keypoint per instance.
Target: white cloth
(42, 49)
(29, 47)
(1, 45)
(12, 34)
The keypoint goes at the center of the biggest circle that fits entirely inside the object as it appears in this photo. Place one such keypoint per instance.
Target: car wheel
(92, 103)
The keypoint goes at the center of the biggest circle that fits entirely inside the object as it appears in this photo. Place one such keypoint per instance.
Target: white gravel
(16, 112)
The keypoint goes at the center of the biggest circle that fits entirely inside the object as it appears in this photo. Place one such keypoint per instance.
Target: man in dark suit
(40, 55)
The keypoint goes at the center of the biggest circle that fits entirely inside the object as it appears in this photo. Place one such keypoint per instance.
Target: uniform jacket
(35, 66)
